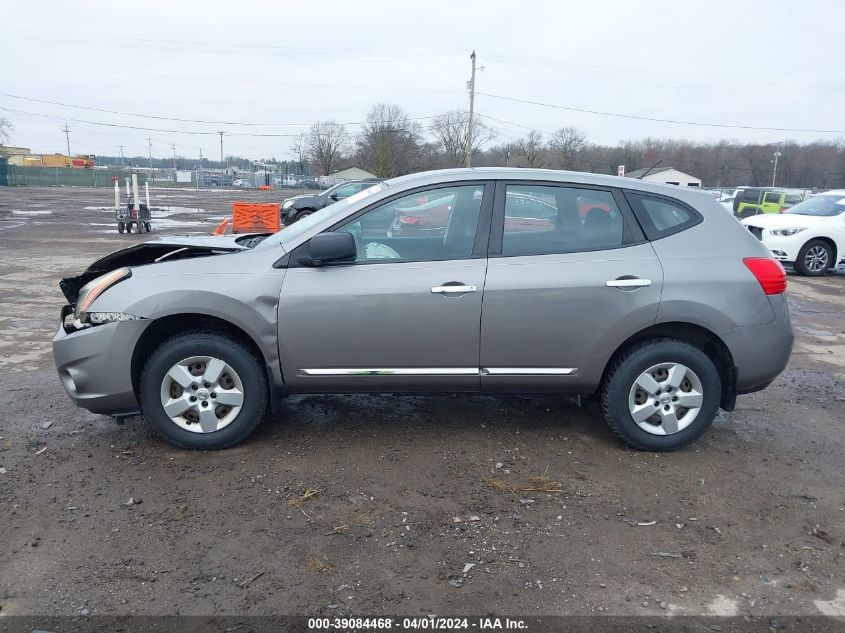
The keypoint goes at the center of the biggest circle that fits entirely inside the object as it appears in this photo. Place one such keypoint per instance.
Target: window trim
(651, 232)
(632, 233)
(479, 245)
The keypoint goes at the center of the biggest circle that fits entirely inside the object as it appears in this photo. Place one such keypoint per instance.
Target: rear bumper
(761, 352)
(94, 366)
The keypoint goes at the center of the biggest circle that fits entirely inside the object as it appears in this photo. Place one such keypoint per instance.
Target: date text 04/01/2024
(416, 623)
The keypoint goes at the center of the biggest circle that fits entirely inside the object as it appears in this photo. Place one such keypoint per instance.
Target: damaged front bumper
(93, 365)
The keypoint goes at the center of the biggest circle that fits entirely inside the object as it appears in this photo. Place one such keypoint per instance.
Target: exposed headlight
(287, 204)
(94, 288)
(787, 232)
(96, 318)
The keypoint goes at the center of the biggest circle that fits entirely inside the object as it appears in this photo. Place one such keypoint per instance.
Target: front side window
(660, 217)
(550, 219)
(426, 225)
(347, 190)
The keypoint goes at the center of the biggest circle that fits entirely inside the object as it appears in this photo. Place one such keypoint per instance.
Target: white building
(353, 173)
(666, 176)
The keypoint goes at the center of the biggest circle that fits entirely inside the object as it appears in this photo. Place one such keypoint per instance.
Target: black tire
(121, 226)
(302, 214)
(244, 361)
(148, 226)
(626, 369)
(805, 267)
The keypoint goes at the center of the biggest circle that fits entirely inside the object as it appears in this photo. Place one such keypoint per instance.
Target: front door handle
(452, 290)
(630, 282)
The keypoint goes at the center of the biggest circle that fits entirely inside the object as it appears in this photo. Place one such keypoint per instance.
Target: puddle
(31, 212)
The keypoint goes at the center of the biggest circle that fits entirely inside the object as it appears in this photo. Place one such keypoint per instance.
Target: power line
(181, 120)
(191, 132)
(655, 119)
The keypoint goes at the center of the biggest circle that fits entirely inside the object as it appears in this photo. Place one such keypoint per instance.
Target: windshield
(331, 190)
(823, 205)
(304, 225)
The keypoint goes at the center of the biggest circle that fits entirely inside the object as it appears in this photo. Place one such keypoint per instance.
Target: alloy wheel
(816, 258)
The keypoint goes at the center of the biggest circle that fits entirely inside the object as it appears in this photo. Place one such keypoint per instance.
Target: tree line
(391, 143)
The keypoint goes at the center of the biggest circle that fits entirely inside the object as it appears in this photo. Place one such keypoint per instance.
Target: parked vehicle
(298, 207)
(663, 308)
(750, 201)
(810, 235)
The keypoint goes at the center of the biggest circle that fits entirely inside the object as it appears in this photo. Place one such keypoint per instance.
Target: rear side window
(548, 219)
(660, 217)
(772, 197)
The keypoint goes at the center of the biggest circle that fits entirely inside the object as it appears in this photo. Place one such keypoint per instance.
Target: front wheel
(203, 390)
(303, 214)
(148, 227)
(121, 227)
(661, 394)
(814, 259)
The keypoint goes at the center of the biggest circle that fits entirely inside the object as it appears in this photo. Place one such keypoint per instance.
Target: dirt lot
(409, 505)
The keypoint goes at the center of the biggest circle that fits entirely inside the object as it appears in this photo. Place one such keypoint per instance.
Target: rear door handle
(627, 283)
(452, 290)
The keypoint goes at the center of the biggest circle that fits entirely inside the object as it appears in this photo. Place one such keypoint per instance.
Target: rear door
(564, 289)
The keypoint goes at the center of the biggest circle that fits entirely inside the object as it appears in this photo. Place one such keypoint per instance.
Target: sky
(191, 69)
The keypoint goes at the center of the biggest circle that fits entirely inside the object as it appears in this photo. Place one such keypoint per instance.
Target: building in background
(666, 176)
(353, 173)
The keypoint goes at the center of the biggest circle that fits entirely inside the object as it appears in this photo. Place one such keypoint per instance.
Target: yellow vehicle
(756, 200)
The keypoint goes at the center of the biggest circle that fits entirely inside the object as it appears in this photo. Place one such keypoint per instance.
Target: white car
(810, 235)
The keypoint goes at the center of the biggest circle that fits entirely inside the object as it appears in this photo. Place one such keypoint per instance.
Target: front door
(570, 276)
(406, 314)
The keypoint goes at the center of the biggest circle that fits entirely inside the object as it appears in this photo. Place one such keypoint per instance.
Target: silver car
(649, 297)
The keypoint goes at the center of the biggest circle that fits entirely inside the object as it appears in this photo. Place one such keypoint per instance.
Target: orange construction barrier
(250, 217)
(264, 187)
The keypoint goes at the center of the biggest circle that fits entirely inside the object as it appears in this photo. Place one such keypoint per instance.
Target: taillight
(782, 209)
(769, 273)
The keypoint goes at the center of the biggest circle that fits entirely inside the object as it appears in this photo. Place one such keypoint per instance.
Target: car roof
(547, 175)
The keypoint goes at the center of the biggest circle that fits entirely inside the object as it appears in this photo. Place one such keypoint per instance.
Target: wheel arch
(706, 340)
(164, 327)
(830, 242)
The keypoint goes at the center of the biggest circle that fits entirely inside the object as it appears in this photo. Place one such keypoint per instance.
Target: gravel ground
(402, 504)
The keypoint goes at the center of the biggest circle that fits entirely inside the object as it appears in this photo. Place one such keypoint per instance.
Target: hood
(775, 220)
(162, 249)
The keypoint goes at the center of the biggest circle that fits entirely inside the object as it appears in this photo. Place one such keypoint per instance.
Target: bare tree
(389, 142)
(6, 128)
(298, 151)
(450, 134)
(531, 149)
(326, 143)
(566, 143)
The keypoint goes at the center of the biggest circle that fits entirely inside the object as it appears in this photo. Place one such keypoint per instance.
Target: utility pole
(775, 172)
(67, 138)
(471, 107)
(174, 159)
(222, 170)
(121, 155)
(150, 151)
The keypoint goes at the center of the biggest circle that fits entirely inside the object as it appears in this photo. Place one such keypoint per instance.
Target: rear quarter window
(661, 216)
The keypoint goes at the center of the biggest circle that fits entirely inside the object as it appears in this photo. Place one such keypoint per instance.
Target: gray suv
(647, 296)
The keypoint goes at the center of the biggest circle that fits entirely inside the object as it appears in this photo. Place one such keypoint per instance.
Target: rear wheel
(814, 259)
(661, 394)
(121, 226)
(203, 390)
(148, 227)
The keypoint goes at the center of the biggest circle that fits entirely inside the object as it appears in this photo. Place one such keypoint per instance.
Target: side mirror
(334, 196)
(326, 248)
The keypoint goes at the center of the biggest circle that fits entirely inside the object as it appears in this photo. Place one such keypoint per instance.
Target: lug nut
(193, 398)
(206, 384)
(194, 386)
(205, 403)
(214, 395)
